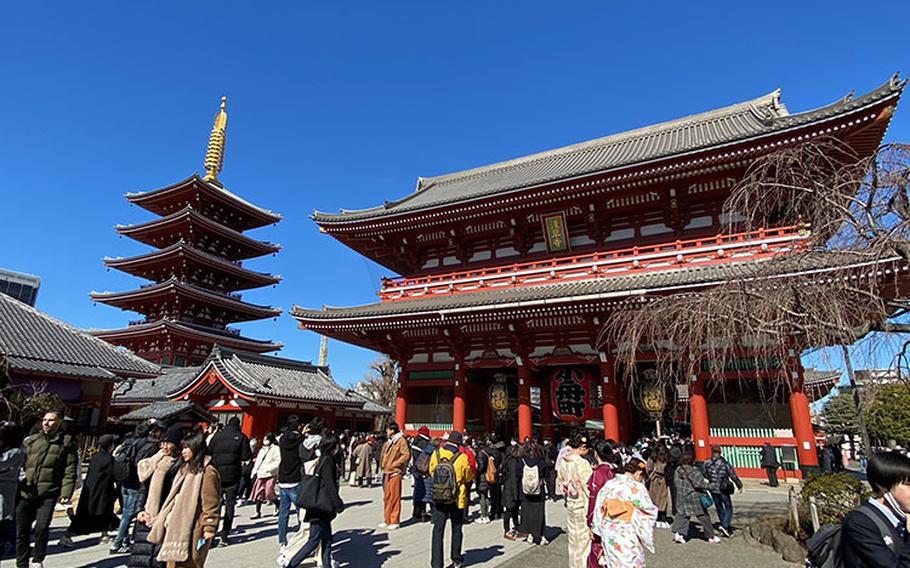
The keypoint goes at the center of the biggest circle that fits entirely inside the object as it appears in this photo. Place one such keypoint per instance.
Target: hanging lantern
(653, 397)
(570, 388)
(499, 397)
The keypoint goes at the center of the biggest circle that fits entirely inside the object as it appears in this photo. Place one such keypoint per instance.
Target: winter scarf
(173, 527)
(156, 468)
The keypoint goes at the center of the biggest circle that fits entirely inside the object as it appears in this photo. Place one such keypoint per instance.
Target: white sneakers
(282, 561)
(382, 525)
(392, 527)
(679, 539)
(713, 540)
(543, 540)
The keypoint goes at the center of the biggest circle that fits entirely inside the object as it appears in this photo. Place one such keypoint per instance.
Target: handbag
(706, 500)
(313, 497)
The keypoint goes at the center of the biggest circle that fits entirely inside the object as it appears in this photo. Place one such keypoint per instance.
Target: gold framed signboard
(555, 232)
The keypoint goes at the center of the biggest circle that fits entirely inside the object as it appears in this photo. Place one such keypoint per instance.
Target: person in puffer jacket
(229, 449)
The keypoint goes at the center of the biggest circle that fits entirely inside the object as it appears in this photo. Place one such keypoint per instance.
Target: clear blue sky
(344, 104)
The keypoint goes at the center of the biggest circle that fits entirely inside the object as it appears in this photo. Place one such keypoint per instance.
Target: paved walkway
(359, 544)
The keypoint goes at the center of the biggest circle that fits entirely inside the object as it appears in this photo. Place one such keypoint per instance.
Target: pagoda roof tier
(729, 133)
(182, 224)
(149, 299)
(364, 324)
(185, 331)
(185, 261)
(208, 197)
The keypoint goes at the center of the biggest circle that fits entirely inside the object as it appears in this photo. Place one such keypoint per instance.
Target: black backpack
(125, 461)
(445, 487)
(824, 547)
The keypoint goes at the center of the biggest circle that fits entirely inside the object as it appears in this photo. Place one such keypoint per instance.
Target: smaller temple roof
(168, 410)
(276, 377)
(34, 342)
(157, 388)
(370, 405)
(751, 119)
(169, 199)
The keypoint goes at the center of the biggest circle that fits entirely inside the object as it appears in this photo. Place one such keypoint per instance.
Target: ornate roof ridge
(187, 327)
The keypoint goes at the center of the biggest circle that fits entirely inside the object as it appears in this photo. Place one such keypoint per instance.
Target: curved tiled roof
(750, 119)
(166, 410)
(170, 380)
(34, 341)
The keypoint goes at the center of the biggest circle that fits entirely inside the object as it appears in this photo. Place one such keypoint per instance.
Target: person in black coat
(321, 522)
(95, 512)
(229, 449)
(533, 511)
(770, 463)
(511, 486)
(869, 544)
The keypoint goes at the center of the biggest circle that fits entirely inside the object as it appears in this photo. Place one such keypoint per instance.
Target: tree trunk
(857, 402)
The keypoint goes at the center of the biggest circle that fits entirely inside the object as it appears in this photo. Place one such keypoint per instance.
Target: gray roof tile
(172, 379)
(165, 410)
(762, 116)
(34, 341)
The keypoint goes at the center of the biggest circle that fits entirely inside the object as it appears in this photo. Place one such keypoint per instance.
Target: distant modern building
(23, 287)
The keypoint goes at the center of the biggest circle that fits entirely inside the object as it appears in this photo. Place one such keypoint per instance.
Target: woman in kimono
(603, 472)
(572, 480)
(624, 518)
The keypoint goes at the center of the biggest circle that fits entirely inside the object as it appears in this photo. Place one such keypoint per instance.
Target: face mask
(266, 443)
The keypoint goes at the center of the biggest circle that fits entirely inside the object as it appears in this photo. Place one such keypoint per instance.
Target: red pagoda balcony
(751, 245)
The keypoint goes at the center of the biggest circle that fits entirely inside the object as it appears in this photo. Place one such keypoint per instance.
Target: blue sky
(344, 104)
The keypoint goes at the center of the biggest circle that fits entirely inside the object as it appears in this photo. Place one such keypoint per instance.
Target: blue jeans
(724, 506)
(320, 533)
(287, 496)
(130, 500)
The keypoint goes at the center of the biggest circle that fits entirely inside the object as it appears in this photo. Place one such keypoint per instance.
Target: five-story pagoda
(196, 268)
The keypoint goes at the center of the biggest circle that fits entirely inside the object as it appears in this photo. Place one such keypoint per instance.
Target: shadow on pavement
(362, 548)
(481, 555)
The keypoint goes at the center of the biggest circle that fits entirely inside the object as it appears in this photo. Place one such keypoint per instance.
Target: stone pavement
(359, 544)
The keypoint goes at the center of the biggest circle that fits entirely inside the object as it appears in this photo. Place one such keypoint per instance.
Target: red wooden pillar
(698, 410)
(610, 393)
(461, 389)
(249, 418)
(547, 429)
(524, 399)
(401, 399)
(802, 418)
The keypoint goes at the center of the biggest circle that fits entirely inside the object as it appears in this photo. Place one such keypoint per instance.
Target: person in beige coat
(363, 454)
(572, 480)
(395, 456)
(186, 524)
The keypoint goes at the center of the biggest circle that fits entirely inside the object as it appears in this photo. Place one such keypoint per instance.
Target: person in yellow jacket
(450, 499)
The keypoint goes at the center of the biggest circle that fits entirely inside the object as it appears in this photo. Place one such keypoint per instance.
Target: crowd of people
(178, 488)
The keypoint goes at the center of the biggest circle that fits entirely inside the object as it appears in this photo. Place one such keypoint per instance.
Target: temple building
(510, 271)
(260, 390)
(42, 355)
(196, 268)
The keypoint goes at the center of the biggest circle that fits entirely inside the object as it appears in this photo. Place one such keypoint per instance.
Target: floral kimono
(624, 518)
(572, 478)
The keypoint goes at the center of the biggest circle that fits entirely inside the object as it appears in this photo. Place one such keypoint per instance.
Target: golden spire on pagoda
(214, 154)
(324, 351)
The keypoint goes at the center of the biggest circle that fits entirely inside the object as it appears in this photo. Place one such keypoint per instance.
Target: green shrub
(836, 494)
